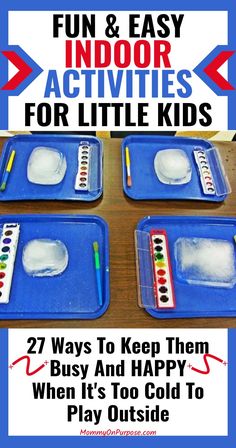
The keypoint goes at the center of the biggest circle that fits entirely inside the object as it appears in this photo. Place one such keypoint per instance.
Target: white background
(187, 417)
(201, 32)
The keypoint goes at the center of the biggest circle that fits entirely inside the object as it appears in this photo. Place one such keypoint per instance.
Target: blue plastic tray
(145, 184)
(18, 186)
(73, 294)
(194, 300)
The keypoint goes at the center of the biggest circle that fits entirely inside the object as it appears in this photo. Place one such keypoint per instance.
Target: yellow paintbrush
(127, 162)
(8, 170)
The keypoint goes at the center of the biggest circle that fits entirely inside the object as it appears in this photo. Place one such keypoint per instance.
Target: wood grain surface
(122, 215)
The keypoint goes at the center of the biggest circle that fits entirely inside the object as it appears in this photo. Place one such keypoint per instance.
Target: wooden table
(122, 215)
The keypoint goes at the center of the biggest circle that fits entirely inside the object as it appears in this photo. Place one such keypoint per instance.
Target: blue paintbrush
(98, 271)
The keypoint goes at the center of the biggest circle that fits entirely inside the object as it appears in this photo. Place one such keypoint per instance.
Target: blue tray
(73, 294)
(18, 186)
(145, 184)
(194, 300)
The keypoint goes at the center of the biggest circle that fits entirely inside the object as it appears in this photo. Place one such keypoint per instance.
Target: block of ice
(46, 166)
(205, 261)
(172, 166)
(44, 257)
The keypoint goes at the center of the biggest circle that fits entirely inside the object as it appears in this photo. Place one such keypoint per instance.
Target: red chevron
(212, 70)
(21, 75)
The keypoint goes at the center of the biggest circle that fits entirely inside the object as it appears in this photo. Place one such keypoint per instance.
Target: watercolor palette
(84, 163)
(8, 248)
(163, 282)
(74, 293)
(191, 299)
(146, 185)
(20, 188)
(207, 179)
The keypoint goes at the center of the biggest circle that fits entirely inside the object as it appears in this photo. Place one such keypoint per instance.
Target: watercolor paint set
(49, 167)
(186, 266)
(163, 167)
(53, 267)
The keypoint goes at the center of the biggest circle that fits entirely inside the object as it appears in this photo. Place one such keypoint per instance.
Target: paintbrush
(98, 271)
(127, 162)
(7, 171)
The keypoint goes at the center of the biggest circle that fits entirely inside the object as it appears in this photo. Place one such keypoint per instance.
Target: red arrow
(212, 70)
(24, 70)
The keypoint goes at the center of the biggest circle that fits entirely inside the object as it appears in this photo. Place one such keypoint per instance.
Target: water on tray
(172, 166)
(46, 166)
(206, 261)
(44, 257)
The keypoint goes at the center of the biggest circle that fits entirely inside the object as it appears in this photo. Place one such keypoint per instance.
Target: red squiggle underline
(205, 356)
(28, 365)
